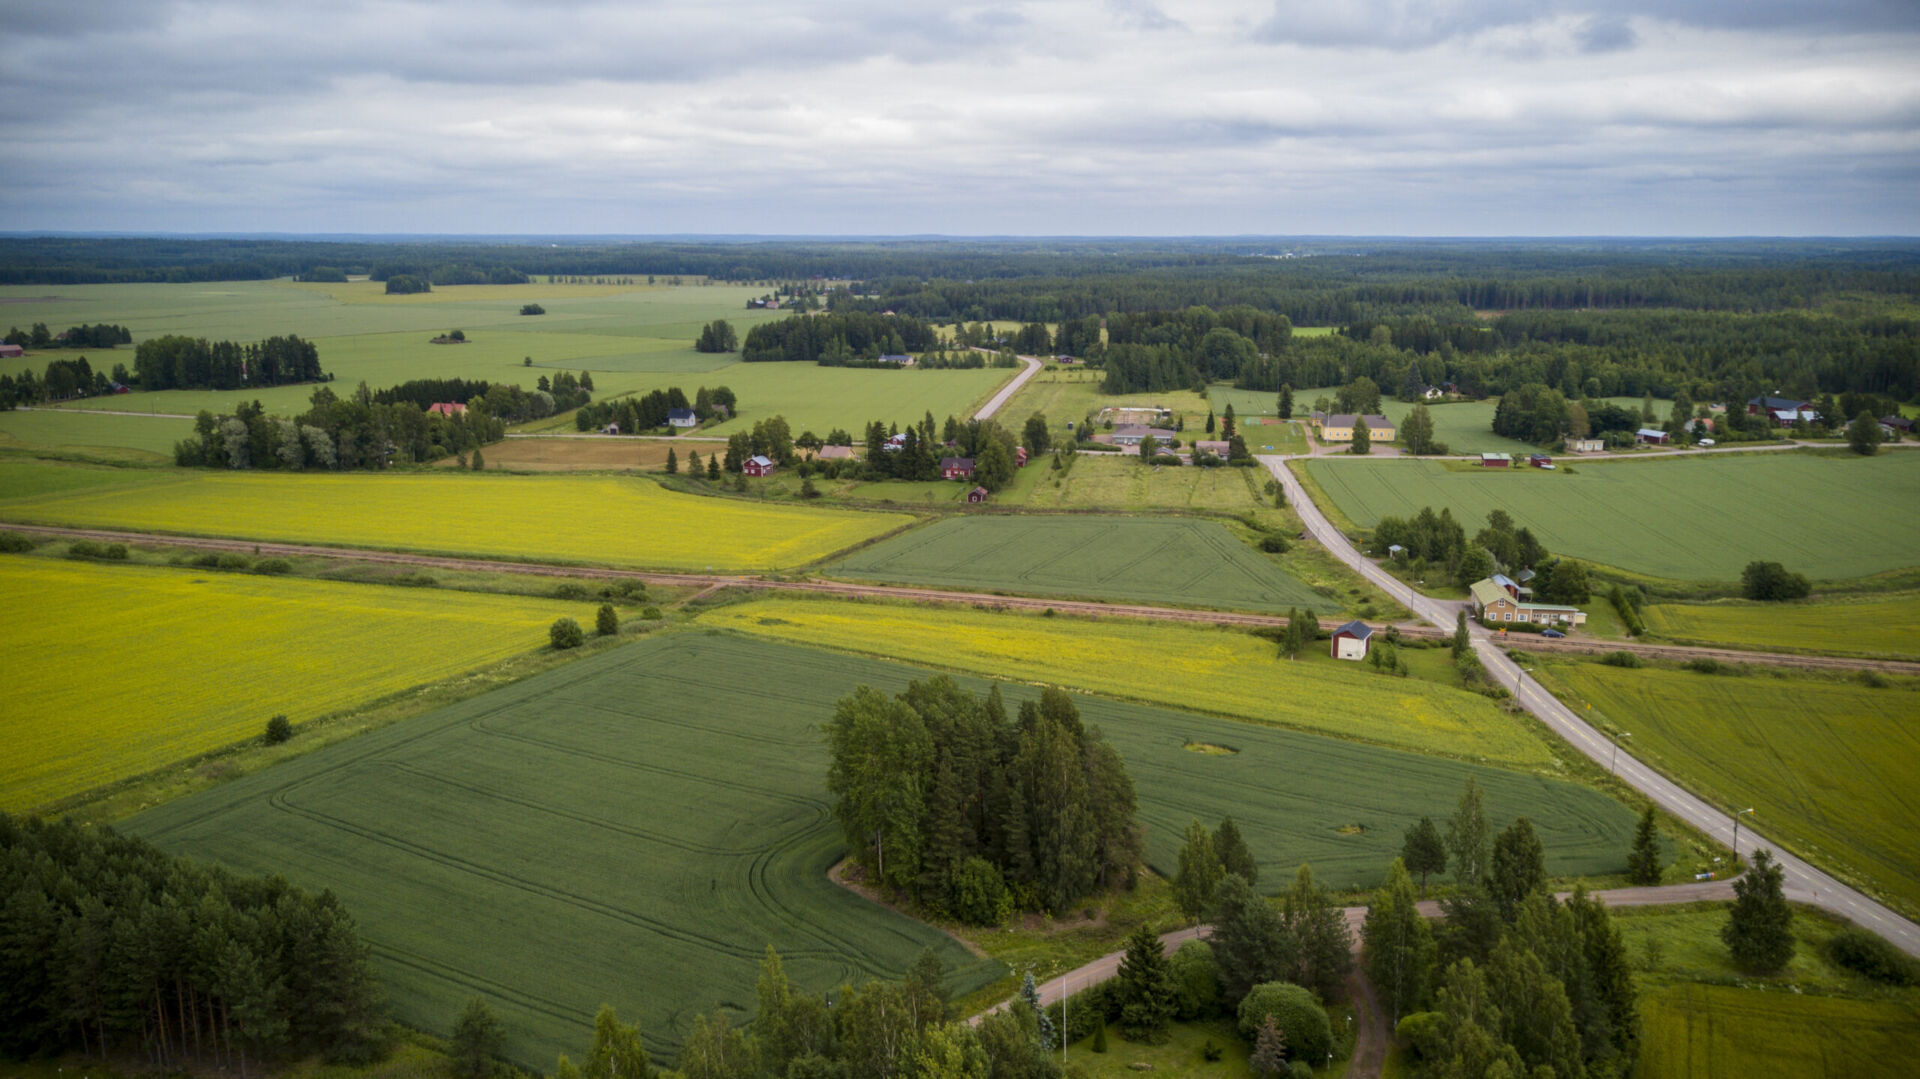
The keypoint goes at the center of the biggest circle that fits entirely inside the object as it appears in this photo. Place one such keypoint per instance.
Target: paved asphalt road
(1006, 392)
(1803, 882)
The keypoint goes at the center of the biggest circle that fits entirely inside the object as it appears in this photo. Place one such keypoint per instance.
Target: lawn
(1692, 518)
(560, 843)
(116, 670)
(1887, 626)
(74, 430)
(1219, 671)
(599, 519)
(1178, 561)
(1828, 766)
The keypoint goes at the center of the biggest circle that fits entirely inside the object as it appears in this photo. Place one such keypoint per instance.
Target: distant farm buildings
(11, 351)
(956, 468)
(1586, 445)
(682, 417)
(447, 408)
(1496, 460)
(978, 494)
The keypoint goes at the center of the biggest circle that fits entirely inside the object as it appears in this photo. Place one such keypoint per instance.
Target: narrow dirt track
(989, 600)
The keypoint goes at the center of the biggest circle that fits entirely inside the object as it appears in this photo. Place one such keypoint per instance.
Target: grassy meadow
(63, 430)
(1885, 626)
(1218, 671)
(631, 338)
(1178, 561)
(1691, 518)
(1827, 765)
(561, 842)
(122, 669)
(601, 519)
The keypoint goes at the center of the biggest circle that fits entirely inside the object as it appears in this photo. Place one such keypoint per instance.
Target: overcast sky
(1081, 117)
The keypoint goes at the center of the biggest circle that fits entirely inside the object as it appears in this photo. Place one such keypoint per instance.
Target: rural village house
(1494, 603)
(1339, 427)
(682, 417)
(978, 494)
(1586, 445)
(956, 468)
(1130, 434)
(447, 408)
(758, 465)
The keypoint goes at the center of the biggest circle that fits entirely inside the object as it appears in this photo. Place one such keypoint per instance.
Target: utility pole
(1736, 833)
(1613, 767)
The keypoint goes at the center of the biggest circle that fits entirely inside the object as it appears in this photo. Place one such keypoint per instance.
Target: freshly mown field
(116, 670)
(604, 519)
(1866, 626)
(1152, 560)
(631, 338)
(66, 430)
(1727, 1032)
(1211, 670)
(1827, 766)
(1692, 518)
(564, 842)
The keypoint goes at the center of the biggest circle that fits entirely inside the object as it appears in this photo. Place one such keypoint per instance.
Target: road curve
(1007, 391)
(1800, 878)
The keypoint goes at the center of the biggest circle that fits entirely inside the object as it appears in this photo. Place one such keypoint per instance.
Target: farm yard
(1874, 625)
(180, 662)
(1691, 518)
(602, 519)
(665, 801)
(1173, 561)
(1827, 765)
(1216, 671)
(635, 828)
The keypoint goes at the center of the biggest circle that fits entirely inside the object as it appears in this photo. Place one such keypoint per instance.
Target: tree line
(102, 335)
(175, 362)
(62, 380)
(108, 946)
(946, 799)
(836, 339)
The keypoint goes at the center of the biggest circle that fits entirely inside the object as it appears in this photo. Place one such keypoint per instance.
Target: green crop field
(631, 338)
(560, 842)
(113, 671)
(593, 518)
(1116, 482)
(1219, 671)
(1152, 560)
(1694, 518)
(61, 429)
(1827, 766)
(1865, 626)
(1727, 1032)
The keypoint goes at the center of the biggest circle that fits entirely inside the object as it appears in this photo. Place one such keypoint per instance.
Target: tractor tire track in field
(714, 582)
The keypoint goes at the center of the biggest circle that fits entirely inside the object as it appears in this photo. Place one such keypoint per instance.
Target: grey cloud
(1609, 33)
(1409, 24)
(1143, 15)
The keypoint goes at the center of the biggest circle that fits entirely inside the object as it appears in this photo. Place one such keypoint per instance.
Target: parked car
(1551, 633)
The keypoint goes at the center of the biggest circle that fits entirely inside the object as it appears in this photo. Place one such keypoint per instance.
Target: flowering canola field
(605, 519)
(118, 670)
(1190, 667)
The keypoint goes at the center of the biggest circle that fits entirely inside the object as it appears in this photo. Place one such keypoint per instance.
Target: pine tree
(673, 461)
(1100, 1034)
(1424, 851)
(1235, 856)
(1759, 929)
(1144, 989)
(1397, 944)
(1462, 641)
(479, 462)
(1519, 866)
(1269, 1048)
(1199, 872)
(693, 464)
(1286, 401)
(713, 467)
(1209, 421)
(1226, 422)
(1643, 864)
(1030, 995)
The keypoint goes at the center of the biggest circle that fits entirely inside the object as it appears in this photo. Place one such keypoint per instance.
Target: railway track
(989, 600)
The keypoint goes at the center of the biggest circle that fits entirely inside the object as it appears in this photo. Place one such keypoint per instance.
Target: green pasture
(1886, 626)
(1730, 1032)
(51, 429)
(1828, 766)
(1689, 517)
(1120, 481)
(560, 843)
(1175, 561)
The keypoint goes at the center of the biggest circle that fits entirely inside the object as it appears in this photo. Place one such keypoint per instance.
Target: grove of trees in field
(177, 362)
(945, 798)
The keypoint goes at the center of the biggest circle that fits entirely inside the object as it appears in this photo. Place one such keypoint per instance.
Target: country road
(999, 400)
(1801, 878)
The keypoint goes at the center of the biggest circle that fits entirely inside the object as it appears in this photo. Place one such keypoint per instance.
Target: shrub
(84, 548)
(1771, 581)
(1302, 1020)
(1274, 543)
(570, 590)
(1210, 1052)
(605, 622)
(279, 729)
(1706, 665)
(273, 566)
(233, 561)
(625, 589)
(1196, 981)
(115, 551)
(14, 543)
(1874, 680)
(1622, 659)
(977, 894)
(1872, 957)
(651, 614)
(566, 633)
(532, 309)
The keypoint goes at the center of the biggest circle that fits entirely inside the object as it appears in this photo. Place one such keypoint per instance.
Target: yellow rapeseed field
(616, 520)
(112, 671)
(1210, 670)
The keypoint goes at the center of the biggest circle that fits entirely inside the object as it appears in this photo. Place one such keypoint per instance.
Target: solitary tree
(1424, 851)
(1145, 989)
(605, 622)
(566, 633)
(1362, 438)
(1759, 929)
(1210, 422)
(1462, 643)
(1226, 422)
(479, 462)
(673, 461)
(1235, 856)
(993, 468)
(1863, 434)
(1199, 872)
(1286, 401)
(1416, 431)
(477, 1041)
(279, 729)
(1643, 864)
(1036, 437)
(1467, 836)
